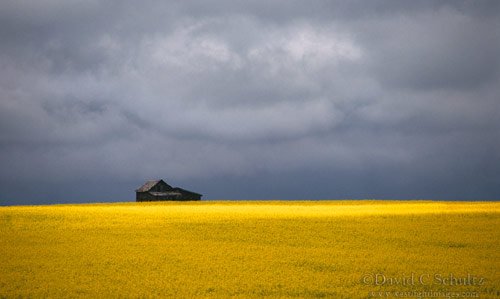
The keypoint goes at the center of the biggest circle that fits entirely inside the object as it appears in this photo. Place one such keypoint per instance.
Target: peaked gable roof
(150, 184)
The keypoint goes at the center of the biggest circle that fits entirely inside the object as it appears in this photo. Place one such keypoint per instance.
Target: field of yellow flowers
(306, 249)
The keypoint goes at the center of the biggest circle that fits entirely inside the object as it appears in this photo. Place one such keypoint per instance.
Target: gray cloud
(381, 99)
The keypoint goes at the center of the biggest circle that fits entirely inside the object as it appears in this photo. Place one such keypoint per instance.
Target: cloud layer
(250, 99)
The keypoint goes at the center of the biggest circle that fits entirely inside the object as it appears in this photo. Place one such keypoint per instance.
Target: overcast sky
(249, 99)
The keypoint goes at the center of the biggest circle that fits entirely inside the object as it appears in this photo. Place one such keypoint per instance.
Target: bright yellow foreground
(336, 249)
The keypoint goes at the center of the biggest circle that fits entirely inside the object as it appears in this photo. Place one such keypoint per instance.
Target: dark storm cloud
(353, 98)
(459, 54)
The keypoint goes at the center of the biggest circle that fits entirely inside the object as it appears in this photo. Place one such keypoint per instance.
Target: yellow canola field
(279, 249)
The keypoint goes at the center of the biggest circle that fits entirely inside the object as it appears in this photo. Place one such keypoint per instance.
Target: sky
(263, 99)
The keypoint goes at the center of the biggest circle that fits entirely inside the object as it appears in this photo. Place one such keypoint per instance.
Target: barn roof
(148, 185)
(184, 190)
(151, 183)
(165, 193)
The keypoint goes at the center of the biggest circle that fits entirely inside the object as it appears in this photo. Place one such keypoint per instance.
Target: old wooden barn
(155, 190)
